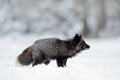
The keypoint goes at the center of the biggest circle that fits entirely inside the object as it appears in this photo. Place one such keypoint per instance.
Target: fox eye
(83, 43)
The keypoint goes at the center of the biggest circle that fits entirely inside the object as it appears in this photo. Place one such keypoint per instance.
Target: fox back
(53, 47)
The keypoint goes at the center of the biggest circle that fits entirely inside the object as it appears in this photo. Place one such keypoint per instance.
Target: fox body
(44, 50)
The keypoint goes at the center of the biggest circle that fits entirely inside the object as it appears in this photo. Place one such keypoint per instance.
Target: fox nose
(87, 46)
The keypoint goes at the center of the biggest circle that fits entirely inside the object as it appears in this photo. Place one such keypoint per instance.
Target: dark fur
(26, 57)
(42, 51)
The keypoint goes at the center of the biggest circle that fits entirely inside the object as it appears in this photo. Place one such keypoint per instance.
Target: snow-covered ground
(100, 62)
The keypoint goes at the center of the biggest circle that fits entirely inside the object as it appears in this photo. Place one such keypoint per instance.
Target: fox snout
(85, 46)
(82, 46)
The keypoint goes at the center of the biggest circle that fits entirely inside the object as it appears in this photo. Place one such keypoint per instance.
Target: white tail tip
(17, 63)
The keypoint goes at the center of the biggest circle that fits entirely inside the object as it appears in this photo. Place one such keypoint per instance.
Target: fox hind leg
(46, 62)
(37, 61)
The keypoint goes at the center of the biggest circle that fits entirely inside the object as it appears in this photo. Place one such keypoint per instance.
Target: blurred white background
(92, 18)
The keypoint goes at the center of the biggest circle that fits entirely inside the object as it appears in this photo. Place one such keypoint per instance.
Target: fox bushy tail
(25, 58)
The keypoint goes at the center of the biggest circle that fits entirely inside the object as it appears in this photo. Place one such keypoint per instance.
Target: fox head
(82, 45)
(79, 43)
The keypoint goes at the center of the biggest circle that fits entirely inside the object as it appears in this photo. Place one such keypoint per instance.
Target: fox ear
(76, 40)
(76, 37)
(80, 36)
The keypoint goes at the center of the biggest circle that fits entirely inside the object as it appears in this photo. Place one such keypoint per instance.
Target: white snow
(100, 62)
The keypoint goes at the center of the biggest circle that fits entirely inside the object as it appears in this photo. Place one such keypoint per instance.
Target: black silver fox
(44, 50)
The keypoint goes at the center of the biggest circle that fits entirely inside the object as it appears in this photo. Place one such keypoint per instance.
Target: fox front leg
(64, 62)
(61, 62)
